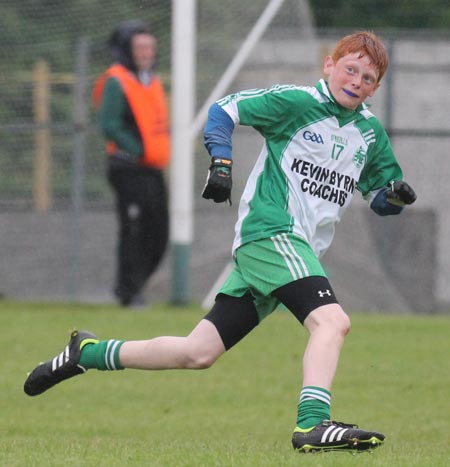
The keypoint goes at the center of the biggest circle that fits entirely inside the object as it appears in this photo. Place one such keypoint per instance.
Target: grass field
(394, 377)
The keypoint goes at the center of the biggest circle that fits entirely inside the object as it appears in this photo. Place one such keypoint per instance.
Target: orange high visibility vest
(149, 107)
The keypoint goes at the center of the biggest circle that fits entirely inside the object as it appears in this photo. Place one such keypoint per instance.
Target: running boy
(321, 144)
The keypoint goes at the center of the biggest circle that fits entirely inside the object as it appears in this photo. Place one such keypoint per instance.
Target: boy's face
(352, 79)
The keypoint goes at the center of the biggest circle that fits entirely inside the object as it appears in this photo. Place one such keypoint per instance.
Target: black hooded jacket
(120, 41)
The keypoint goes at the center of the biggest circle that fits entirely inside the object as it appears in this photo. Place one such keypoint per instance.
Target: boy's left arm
(381, 181)
(392, 198)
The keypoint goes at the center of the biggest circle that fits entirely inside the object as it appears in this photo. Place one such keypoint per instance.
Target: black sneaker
(335, 436)
(63, 366)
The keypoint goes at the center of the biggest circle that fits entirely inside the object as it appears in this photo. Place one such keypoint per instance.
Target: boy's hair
(367, 43)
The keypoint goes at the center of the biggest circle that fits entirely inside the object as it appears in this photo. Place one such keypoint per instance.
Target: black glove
(218, 182)
(400, 193)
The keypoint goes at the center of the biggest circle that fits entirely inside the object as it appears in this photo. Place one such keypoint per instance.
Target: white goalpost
(186, 127)
(181, 168)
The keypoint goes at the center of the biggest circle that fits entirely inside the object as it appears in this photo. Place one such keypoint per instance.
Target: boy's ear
(328, 65)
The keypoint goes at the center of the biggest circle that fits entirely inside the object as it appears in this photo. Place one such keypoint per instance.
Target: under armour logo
(322, 294)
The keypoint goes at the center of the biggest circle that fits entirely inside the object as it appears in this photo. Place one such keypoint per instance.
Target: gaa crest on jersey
(359, 157)
(313, 137)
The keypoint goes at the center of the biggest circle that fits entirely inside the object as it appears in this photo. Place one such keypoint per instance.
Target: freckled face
(352, 79)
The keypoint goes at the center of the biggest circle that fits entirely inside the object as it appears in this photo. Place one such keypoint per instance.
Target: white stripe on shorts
(290, 266)
(293, 261)
(294, 252)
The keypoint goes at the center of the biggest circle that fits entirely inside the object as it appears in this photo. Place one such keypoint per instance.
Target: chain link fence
(57, 220)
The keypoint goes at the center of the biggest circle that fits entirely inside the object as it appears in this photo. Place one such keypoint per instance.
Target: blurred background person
(133, 118)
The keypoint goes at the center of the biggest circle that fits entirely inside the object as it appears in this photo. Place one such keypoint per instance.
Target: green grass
(393, 377)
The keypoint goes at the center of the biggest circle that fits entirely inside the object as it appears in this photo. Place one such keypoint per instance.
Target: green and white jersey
(316, 153)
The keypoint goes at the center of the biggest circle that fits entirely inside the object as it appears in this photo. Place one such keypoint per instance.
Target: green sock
(103, 355)
(313, 407)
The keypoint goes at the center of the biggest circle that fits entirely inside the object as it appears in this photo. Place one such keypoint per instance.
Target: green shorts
(265, 265)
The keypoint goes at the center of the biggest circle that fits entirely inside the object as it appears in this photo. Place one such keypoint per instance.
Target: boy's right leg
(230, 319)
(200, 349)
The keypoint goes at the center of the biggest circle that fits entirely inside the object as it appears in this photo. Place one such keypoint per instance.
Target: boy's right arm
(217, 139)
(218, 132)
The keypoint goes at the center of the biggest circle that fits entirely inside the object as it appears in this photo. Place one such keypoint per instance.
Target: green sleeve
(381, 166)
(112, 120)
(271, 110)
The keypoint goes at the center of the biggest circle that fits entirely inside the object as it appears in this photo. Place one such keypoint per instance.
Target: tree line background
(51, 30)
(30, 22)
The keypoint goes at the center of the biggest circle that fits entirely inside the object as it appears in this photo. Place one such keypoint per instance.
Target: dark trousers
(141, 200)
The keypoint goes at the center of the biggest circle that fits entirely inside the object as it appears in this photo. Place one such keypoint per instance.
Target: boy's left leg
(313, 302)
(327, 326)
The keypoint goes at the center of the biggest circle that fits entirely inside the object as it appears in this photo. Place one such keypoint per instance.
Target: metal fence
(57, 222)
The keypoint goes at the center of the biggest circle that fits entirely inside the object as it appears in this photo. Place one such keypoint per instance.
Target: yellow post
(41, 104)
